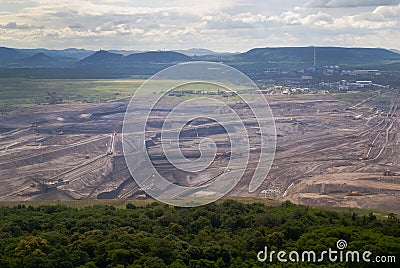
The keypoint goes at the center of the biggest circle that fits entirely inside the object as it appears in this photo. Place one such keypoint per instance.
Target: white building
(363, 84)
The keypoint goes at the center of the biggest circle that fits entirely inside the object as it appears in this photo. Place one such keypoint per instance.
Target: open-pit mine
(330, 152)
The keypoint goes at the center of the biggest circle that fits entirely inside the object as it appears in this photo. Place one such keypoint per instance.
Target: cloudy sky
(220, 25)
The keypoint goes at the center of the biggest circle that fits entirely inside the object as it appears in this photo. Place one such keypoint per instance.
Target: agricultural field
(25, 93)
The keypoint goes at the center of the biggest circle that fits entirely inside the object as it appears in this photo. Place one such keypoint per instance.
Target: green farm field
(24, 93)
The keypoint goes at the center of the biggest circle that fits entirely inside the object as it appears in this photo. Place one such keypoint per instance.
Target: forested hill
(228, 234)
(303, 57)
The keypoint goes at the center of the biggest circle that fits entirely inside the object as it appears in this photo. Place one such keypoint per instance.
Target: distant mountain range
(107, 59)
(72, 57)
(10, 54)
(83, 53)
(201, 52)
(148, 62)
(65, 53)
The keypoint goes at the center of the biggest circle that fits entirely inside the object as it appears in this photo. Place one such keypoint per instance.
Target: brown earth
(329, 153)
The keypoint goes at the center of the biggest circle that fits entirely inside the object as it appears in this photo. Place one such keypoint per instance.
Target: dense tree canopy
(229, 234)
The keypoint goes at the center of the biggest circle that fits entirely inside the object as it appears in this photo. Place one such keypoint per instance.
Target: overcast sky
(220, 25)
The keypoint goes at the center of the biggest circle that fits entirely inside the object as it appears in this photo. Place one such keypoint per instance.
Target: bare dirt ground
(329, 153)
(335, 154)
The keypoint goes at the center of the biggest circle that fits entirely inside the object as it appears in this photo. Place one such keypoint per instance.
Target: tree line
(227, 234)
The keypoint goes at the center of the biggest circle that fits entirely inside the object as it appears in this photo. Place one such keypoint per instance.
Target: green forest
(225, 234)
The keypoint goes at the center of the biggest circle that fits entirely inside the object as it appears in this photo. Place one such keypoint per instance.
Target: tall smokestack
(315, 57)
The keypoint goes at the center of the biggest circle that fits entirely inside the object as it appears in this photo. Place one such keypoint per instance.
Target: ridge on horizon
(149, 62)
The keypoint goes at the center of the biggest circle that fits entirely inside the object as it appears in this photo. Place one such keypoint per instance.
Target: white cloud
(224, 20)
(384, 12)
(14, 25)
(289, 17)
(293, 18)
(215, 24)
(349, 3)
(382, 17)
(319, 19)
